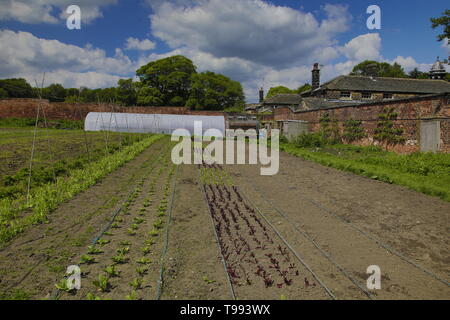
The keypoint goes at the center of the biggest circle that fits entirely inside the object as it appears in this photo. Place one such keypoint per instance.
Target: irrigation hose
(166, 242)
(57, 292)
(230, 284)
(379, 242)
(323, 252)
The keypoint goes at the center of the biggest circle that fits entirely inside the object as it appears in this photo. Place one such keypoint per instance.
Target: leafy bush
(310, 140)
(353, 131)
(385, 131)
(329, 129)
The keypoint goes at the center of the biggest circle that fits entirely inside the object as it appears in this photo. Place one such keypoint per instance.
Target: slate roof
(284, 99)
(319, 103)
(394, 85)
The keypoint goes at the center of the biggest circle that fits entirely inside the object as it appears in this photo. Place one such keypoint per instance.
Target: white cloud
(50, 11)
(409, 63)
(136, 44)
(250, 29)
(28, 56)
(363, 47)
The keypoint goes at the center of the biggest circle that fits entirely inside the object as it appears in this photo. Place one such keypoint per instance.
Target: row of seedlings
(147, 269)
(254, 255)
(104, 247)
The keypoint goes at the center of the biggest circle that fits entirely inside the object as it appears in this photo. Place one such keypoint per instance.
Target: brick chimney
(261, 95)
(315, 77)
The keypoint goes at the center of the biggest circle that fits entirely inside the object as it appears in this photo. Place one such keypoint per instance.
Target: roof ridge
(411, 79)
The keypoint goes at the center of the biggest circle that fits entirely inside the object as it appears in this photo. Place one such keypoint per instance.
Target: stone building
(357, 90)
(363, 89)
(422, 105)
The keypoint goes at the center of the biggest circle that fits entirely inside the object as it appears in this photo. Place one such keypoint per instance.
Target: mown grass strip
(386, 167)
(45, 199)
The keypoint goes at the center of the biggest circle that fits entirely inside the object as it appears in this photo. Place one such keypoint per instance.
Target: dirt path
(312, 207)
(193, 267)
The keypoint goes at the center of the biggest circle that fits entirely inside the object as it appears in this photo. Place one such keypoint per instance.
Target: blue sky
(255, 42)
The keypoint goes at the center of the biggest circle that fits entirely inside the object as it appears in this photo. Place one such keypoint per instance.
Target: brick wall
(410, 113)
(27, 108)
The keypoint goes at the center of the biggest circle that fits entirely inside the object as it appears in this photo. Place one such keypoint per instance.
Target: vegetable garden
(253, 254)
(141, 228)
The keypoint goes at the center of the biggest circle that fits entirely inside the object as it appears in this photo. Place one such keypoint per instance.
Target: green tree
(416, 74)
(54, 93)
(17, 88)
(443, 21)
(87, 95)
(71, 99)
(212, 91)
(169, 80)
(378, 69)
(127, 92)
(304, 88)
(353, 131)
(385, 132)
(279, 90)
(3, 93)
(329, 129)
(149, 97)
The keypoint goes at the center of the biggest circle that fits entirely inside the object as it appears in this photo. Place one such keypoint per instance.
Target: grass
(56, 153)
(46, 198)
(30, 122)
(423, 172)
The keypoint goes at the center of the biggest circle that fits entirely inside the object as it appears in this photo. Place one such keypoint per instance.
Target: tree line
(171, 81)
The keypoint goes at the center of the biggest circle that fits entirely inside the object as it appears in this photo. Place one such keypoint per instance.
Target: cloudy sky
(257, 42)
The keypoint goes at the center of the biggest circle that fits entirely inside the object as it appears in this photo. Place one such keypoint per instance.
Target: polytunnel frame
(151, 123)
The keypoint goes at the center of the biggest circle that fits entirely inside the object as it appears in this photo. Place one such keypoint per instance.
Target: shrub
(308, 140)
(329, 129)
(353, 131)
(385, 131)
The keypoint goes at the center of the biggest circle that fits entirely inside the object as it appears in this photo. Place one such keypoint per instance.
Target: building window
(366, 96)
(387, 96)
(346, 94)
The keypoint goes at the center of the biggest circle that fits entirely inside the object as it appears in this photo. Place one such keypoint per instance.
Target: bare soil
(348, 216)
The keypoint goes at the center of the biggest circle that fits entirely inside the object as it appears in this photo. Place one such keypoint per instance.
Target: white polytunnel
(150, 123)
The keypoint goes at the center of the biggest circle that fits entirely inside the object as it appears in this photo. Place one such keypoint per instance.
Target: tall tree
(213, 91)
(378, 69)
(443, 21)
(3, 93)
(304, 88)
(54, 93)
(416, 74)
(17, 88)
(127, 92)
(279, 90)
(167, 80)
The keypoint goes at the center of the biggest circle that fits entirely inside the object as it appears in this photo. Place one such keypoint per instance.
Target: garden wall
(411, 112)
(27, 108)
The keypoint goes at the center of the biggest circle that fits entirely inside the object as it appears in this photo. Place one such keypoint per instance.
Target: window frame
(369, 95)
(349, 96)
(391, 96)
